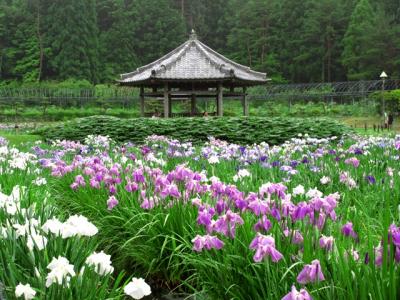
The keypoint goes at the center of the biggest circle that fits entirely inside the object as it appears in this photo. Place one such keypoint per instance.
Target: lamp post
(383, 77)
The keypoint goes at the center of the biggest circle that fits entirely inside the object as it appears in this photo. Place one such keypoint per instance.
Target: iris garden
(308, 219)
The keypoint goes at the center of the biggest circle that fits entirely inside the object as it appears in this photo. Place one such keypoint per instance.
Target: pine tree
(323, 28)
(251, 39)
(360, 48)
(289, 16)
(156, 29)
(73, 39)
(117, 53)
(4, 37)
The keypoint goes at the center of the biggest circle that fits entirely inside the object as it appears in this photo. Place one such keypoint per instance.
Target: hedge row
(237, 130)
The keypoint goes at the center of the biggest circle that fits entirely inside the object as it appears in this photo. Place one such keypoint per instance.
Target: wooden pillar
(166, 101)
(169, 106)
(245, 103)
(193, 105)
(141, 101)
(220, 105)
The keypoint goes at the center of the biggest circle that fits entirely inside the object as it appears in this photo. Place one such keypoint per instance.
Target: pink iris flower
(265, 246)
(311, 273)
(294, 294)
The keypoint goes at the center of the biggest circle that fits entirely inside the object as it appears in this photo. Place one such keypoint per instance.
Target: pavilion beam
(220, 106)
(141, 99)
(245, 103)
(166, 101)
(193, 105)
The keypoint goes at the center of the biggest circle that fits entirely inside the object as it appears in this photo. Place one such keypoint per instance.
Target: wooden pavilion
(193, 70)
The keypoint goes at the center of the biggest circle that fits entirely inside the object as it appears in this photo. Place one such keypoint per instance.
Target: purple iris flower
(305, 160)
(112, 189)
(148, 203)
(275, 163)
(221, 206)
(371, 179)
(259, 207)
(296, 237)
(112, 202)
(276, 214)
(263, 225)
(358, 151)
(80, 180)
(131, 187)
(265, 246)
(366, 258)
(294, 294)
(332, 152)
(311, 273)
(138, 176)
(94, 183)
(301, 211)
(394, 234)
(145, 150)
(205, 216)
(326, 242)
(352, 161)
(226, 224)
(206, 242)
(348, 230)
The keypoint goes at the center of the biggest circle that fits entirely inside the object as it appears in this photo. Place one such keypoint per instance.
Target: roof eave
(155, 81)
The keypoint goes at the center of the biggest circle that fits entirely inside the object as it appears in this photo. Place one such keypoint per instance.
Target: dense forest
(291, 40)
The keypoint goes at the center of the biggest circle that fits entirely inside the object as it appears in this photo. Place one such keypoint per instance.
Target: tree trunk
(40, 40)
(329, 62)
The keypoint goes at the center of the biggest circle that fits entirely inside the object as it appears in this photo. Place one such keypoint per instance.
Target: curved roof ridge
(177, 50)
(193, 60)
(243, 67)
(219, 67)
(207, 57)
(164, 67)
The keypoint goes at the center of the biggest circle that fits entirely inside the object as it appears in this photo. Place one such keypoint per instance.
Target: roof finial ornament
(193, 35)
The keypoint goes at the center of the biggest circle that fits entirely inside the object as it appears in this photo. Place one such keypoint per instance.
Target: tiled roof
(193, 61)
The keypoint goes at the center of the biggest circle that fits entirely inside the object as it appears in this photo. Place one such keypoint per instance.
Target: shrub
(392, 101)
(235, 130)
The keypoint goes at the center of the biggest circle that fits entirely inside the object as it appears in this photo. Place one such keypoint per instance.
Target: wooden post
(245, 103)
(166, 101)
(141, 101)
(169, 106)
(220, 105)
(193, 105)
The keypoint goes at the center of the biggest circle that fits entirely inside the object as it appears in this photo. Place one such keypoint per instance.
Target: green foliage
(370, 42)
(392, 101)
(158, 240)
(296, 41)
(73, 39)
(324, 25)
(235, 130)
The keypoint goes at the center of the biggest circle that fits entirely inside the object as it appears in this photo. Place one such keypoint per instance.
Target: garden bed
(214, 220)
(243, 130)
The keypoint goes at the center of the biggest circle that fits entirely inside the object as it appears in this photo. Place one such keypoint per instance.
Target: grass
(158, 243)
(25, 263)
(17, 138)
(369, 122)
